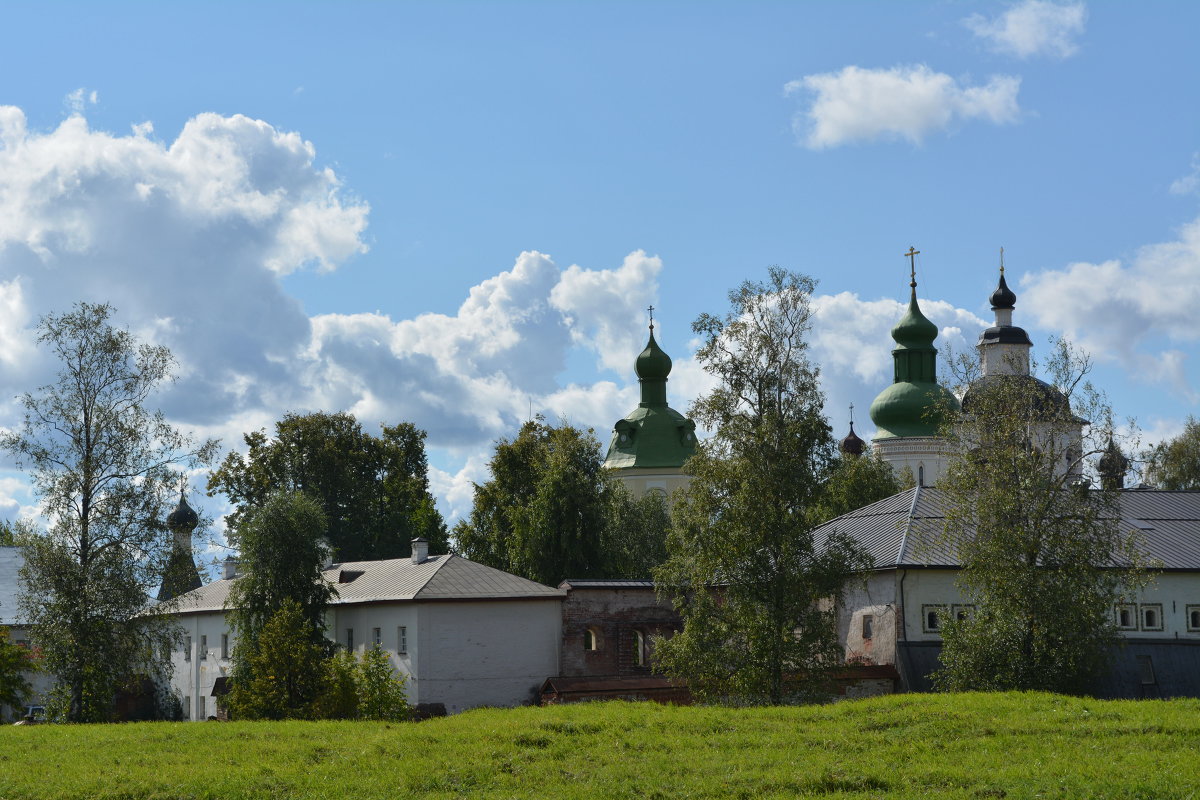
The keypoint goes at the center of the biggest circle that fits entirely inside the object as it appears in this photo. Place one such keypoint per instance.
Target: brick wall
(615, 615)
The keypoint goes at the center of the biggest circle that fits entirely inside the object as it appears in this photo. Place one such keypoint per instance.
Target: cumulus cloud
(1190, 183)
(904, 102)
(1116, 309)
(1033, 28)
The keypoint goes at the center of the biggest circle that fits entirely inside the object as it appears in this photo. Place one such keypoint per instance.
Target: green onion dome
(915, 404)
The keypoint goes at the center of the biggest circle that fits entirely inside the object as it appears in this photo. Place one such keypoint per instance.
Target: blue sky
(452, 213)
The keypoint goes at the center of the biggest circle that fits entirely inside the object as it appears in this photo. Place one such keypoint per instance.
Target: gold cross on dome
(912, 263)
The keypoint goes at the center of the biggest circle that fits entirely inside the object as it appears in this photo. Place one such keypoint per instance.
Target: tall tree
(1175, 463)
(756, 591)
(544, 513)
(374, 490)
(1043, 557)
(101, 464)
(857, 481)
(277, 607)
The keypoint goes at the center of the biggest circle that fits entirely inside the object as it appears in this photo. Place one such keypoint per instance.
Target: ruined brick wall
(616, 616)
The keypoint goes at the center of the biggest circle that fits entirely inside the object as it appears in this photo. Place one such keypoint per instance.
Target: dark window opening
(868, 626)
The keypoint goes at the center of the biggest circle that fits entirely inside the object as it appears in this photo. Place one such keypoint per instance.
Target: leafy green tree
(382, 692)
(374, 490)
(544, 512)
(757, 592)
(856, 481)
(281, 672)
(101, 464)
(16, 662)
(1043, 557)
(282, 554)
(635, 538)
(1175, 464)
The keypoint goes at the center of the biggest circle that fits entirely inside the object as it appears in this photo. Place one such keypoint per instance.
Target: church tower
(651, 443)
(908, 414)
(180, 575)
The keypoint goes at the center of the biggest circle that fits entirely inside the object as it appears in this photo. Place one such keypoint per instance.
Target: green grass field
(905, 746)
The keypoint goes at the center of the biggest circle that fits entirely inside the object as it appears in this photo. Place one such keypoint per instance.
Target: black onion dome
(183, 517)
(1003, 297)
(1047, 401)
(1113, 464)
(1005, 334)
(852, 445)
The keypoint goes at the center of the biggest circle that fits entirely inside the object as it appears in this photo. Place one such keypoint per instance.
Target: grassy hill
(903, 746)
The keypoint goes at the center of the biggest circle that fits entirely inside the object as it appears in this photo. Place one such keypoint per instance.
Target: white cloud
(1188, 184)
(1032, 28)
(904, 102)
(1117, 311)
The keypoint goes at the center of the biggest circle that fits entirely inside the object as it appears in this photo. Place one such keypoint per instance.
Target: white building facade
(462, 634)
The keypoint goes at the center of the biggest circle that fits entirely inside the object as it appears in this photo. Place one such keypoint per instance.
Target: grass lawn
(902, 746)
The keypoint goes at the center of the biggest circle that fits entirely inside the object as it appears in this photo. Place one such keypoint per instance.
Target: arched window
(921, 475)
(639, 649)
(591, 639)
(1194, 619)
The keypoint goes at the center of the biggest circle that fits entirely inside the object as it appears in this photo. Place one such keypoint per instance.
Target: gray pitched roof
(907, 529)
(447, 577)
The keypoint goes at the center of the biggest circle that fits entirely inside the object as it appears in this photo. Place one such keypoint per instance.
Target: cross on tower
(912, 263)
(651, 310)
(1001, 261)
(852, 415)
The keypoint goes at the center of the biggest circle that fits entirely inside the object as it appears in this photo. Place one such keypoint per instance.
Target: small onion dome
(653, 363)
(914, 330)
(1003, 297)
(1113, 464)
(852, 445)
(183, 518)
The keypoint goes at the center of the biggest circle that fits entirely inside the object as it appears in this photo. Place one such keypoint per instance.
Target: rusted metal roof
(908, 529)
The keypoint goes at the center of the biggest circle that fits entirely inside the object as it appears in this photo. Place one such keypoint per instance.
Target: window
(350, 638)
(401, 640)
(868, 626)
(921, 475)
(200, 708)
(1126, 617)
(203, 654)
(591, 639)
(1193, 619)
(931, 618)
(376, 637)
(187, 648)
(224, 645)
(1152, 618)
(639, 649)
(963, 612)
(1146, 670)
(187, 702)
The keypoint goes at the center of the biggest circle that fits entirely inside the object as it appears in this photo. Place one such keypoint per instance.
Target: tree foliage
(101, 466)
(1175, 464)
(374, 490)
(16, 662)
(551, 511)
(544, 511)
(280, 672)
(756, 591)
(856, 481)
(283, 553)
(1043, 558)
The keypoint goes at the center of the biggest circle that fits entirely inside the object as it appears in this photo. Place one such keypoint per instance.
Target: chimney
(231, 566)
(420, 550)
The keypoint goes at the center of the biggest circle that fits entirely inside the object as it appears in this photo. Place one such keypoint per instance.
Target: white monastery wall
(487, 653)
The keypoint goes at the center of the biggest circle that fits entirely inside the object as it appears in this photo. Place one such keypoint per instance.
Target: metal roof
(605, 583)
(908, 529)
(447, 577)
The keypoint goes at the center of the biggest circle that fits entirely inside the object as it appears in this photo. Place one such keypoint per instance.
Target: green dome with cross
(915, 404)
(653, 434)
